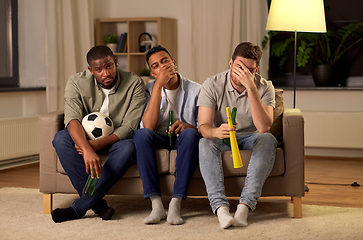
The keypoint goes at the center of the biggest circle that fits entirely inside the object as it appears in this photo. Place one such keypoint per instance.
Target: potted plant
(145, 75)
(111, 40)
(325, 51)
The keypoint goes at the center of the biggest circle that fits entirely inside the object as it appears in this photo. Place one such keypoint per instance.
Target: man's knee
(60, 137)
(204, 142)
(142, 133)
(267, 138)
(126, 146)
(190, 134)
(205, 146)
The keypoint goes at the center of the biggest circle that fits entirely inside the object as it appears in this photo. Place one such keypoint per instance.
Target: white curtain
(218, 27)
(69, 36)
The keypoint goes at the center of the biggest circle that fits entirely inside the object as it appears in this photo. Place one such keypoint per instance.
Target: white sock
(157, 213)
(240, 217)
(174, 217)
(224, 217)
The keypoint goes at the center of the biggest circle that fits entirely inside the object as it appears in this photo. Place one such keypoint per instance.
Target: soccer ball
(97, 125)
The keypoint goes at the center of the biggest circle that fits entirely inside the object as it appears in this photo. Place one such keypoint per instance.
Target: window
(9, 60)
(337, 15)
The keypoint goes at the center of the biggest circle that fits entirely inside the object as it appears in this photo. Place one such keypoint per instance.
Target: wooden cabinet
(162, 30)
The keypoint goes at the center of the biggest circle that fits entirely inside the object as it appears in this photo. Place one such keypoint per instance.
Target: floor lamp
(296, 16)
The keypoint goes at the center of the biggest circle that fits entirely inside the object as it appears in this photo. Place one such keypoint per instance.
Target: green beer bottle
(171, 136)
(233, 117)
(90, 185)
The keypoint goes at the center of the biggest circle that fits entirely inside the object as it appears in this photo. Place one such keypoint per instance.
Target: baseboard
(18, 162)
(334, 152)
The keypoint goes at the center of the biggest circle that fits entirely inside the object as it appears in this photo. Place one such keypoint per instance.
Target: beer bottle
(233, 117)
(171, 136)
(90, 185)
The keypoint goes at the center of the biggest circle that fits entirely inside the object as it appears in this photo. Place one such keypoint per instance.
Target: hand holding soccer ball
(97, 125)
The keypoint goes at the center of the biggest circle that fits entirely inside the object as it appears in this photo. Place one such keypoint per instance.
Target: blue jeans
(121, 155)
(260, 166)
(146, 143)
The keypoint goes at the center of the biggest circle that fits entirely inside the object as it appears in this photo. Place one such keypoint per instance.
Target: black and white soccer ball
(97, 125)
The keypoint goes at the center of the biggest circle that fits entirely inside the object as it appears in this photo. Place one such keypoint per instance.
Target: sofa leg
(297, 207)
(47, 203)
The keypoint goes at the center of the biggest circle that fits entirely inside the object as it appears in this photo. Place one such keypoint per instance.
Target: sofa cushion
(229, 171)
(173, 154)
(163, 159)
(172, 161)
(276, 128)
(162, 156)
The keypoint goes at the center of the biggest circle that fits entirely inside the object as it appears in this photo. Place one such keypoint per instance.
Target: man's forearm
(150, 119)
(261, 117)
(206, 130)
(77, 134)
(104, 142)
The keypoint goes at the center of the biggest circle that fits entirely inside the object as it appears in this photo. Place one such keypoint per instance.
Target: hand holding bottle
(90, 185)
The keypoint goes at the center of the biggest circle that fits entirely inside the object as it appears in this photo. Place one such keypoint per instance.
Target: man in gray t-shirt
(254, 98)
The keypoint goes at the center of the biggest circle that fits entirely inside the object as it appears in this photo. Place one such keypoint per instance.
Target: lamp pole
(295, 68)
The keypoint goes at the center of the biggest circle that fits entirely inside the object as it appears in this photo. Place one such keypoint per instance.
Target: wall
(178, 9)
(32, 48)
(32, 68)
(22, 104)
(32, 59)
(327, 101)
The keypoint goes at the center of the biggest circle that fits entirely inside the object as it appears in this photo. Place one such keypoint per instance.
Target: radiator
(19, 137)
(334, 129)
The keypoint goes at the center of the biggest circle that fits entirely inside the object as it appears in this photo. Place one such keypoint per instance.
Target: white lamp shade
(296, 15)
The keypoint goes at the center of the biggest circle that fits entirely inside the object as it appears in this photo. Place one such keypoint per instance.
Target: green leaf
(264, 42)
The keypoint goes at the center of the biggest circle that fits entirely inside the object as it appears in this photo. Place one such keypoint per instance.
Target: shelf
(120, 54)
(137, 53)
(162, 30)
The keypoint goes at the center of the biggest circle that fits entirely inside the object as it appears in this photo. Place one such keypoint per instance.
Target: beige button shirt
(126, 102)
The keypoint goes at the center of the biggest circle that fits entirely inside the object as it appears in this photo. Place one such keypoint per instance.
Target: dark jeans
(146, 143)
(121, 156)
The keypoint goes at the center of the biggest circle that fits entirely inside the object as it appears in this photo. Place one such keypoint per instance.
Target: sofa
(285, 179)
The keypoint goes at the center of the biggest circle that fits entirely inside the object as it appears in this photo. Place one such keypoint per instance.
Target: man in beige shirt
(120, 95)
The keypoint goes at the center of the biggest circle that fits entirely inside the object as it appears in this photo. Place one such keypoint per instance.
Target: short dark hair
(99, 52)
(153, 50)
(248, 50)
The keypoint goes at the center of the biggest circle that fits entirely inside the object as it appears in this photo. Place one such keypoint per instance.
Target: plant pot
(322, 75)
(112, 46)
(341, 71)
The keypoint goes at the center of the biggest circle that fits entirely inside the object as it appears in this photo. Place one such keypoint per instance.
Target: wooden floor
(329, 181)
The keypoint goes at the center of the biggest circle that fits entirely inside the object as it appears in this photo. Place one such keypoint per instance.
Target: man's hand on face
(243, 74)
(167, 72)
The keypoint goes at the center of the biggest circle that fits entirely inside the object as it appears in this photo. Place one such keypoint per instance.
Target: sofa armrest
(294, 149)
(293, 129)
(49, 125)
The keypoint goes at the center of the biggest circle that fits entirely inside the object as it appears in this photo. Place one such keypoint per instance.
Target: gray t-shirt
(217, 92)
